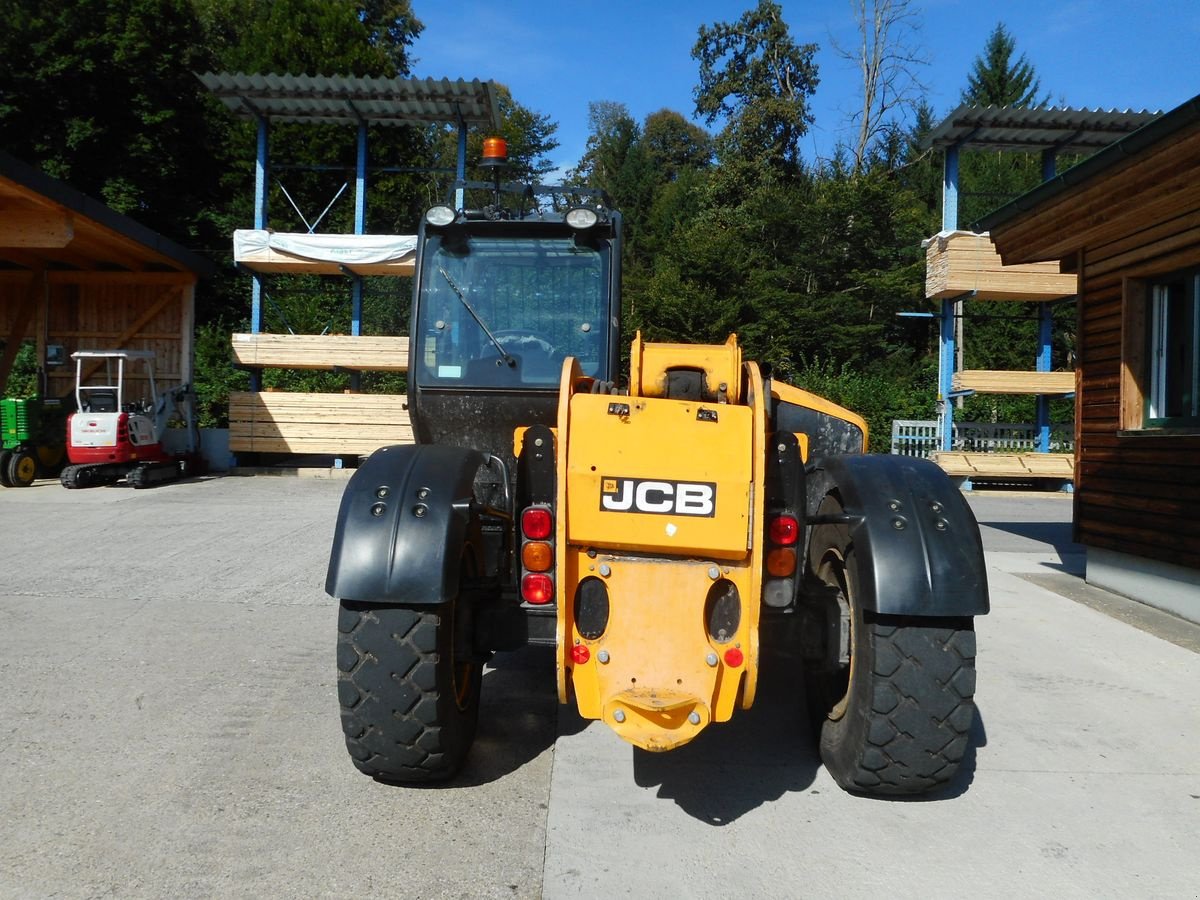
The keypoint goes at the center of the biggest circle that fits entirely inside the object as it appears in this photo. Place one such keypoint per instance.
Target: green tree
(996, 80)
(312, 37)
(759, 81)
(674, 145)
(613, 133)
(100, 94)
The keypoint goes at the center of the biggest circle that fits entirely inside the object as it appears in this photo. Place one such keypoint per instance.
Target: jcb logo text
(673, 498)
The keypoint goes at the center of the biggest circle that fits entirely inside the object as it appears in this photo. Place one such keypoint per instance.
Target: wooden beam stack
(962, 263)
(988, 381)
(342, 424)
(322, 351)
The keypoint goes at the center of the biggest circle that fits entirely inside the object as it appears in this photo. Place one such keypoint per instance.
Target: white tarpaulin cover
(253, 246)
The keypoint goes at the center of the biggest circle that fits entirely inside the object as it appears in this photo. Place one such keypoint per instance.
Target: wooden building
(75, 275)
(1126, 224)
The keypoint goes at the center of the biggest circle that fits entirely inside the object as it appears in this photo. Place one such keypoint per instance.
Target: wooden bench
(322, 351)
(966, 468)
(340, 424)
(989, 381)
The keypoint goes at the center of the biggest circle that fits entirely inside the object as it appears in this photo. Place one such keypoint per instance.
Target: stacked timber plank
(322, 351)
(342, 424)
(962, 262)
(989, 381)
(1007, 465)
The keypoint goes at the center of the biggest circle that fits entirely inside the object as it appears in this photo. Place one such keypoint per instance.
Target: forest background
(728, 230)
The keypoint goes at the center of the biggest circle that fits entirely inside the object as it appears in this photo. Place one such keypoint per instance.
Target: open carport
(75, 275)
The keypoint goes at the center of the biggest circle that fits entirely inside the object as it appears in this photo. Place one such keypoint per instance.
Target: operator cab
(502, 311)
(502, 297)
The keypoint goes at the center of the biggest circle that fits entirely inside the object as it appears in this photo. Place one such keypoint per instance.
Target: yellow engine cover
(661, 501)
(659, 476)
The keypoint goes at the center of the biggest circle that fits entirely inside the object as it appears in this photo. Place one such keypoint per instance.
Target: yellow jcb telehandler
(652, 530)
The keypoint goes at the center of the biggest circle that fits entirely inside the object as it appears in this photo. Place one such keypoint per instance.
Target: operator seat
(100, 401)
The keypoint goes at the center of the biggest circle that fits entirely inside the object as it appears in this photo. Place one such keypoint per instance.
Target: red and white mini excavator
(117, 431)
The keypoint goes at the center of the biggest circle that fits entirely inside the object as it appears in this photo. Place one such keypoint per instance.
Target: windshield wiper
(508, 360)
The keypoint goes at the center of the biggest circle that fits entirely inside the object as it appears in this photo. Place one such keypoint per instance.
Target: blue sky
(558, 56)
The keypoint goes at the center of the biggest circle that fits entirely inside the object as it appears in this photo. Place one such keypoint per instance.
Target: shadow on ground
(1053, 534)
(762, 754)
(518, 715)
(734, 767)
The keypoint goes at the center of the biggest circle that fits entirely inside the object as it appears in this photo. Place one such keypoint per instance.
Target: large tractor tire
(5, 456)
(897, 719)
(22, 467)
(409, 689)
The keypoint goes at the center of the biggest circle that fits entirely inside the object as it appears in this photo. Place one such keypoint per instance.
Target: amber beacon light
(495, 151)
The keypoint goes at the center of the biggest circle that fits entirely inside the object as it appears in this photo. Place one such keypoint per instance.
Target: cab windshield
(505, 312)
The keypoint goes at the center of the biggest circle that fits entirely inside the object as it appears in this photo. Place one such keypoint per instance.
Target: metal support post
(360, 227)
(360, 181)
(946, 377)
(261, 188)
(1045, 336)
(950, 190)
(1049, 163)
(460, 170)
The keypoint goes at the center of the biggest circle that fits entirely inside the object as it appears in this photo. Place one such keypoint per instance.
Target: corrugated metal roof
(345, 99)
(1060, 129)
(1161, 127)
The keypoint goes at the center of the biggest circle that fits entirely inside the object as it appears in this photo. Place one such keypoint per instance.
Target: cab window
(505, 312)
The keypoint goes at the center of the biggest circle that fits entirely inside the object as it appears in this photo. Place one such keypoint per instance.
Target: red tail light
(537, 588)
(537, 523)
(734, 657)
(783, 530)
(580, 654)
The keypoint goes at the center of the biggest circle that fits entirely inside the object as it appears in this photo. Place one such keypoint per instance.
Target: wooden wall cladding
(128, 317)
(1138, 490)
(103, 311)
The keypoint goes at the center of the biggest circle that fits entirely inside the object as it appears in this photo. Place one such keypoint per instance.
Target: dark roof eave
(1094, 166)
(89, 207)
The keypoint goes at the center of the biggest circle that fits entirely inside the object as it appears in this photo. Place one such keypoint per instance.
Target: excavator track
(149, 474)
(86, 475)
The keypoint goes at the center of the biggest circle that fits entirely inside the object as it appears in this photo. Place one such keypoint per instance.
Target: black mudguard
(915, 537)
(405, 519)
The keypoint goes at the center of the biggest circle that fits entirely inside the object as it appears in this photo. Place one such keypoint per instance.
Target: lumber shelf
(374, 353)
(341, 424)
(1006, 465)
(990, 381)
(962, 263)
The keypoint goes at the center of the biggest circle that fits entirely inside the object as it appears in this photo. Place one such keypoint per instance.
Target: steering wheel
(521, 340)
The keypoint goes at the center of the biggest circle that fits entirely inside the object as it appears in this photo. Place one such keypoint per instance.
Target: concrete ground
(168, 727)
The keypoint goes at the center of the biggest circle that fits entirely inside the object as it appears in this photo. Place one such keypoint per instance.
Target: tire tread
(915, 727)
(400, 721)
